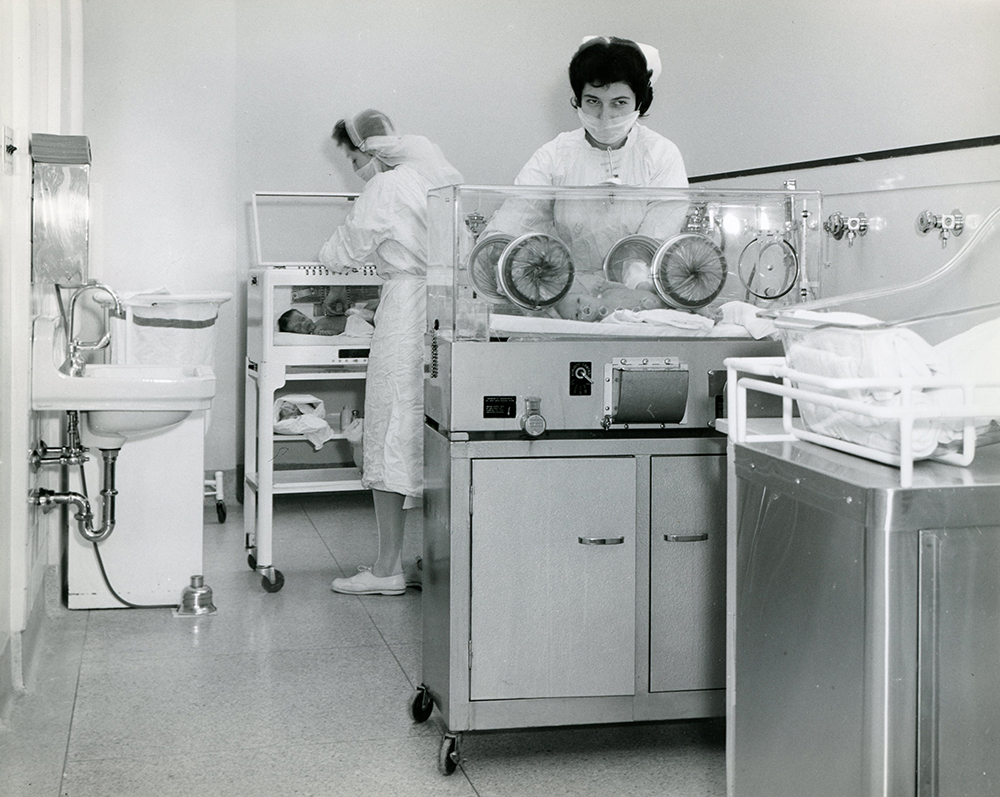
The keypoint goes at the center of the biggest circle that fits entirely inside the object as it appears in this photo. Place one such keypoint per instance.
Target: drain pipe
(75, 454)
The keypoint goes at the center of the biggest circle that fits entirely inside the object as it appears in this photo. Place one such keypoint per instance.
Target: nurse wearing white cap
(612, 81)
(388, 227)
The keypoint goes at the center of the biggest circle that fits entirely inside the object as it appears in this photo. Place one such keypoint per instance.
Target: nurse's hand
(335, 302)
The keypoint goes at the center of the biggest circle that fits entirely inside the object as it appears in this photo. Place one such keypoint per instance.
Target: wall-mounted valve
(476, 222)
(949, 224)
(839, 225)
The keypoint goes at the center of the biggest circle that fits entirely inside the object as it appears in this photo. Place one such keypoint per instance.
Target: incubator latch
(839, 225)
(532, 421)
(948, 224)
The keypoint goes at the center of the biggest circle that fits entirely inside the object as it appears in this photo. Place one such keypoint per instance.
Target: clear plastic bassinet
(895, 375)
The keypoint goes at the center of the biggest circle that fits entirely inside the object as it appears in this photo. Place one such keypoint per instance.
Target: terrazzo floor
(299, 692)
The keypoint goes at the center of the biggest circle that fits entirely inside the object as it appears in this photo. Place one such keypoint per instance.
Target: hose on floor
(104, 573)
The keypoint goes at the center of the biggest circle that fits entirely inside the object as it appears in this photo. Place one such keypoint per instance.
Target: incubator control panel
(579, 385)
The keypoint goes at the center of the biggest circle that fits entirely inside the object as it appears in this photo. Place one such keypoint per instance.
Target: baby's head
(296, 321)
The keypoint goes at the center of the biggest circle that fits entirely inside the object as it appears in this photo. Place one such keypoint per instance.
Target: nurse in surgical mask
(612, 82)
(388, 227)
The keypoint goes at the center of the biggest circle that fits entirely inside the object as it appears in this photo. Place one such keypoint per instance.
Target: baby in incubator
(592, 297)
(298, 322)
(337, 310)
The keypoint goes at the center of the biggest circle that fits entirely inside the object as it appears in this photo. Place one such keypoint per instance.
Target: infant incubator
(574, 500)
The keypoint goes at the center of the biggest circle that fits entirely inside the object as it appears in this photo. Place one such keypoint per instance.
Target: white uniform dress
(388, 226)
(590, 229)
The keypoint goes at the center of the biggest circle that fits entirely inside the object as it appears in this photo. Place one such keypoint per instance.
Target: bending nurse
(388, 226)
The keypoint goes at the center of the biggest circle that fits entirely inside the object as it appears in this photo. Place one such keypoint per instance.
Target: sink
(119, 401)
(111, 428)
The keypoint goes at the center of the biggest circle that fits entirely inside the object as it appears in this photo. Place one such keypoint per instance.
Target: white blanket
(739, 320)
(302, 414)
(889, 353)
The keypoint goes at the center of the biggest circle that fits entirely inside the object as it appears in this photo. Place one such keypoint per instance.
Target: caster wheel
(448, 754)
(220, 510)
(252, 561)
(279, 582)
(421, 705)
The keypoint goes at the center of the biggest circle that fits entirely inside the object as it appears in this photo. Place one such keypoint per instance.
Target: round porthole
(768, 267)
(689, 271)
(483, 266)
(535, 271)
(630, 260)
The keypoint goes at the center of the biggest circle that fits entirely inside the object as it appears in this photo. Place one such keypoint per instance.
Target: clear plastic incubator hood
(899, 374)
(523, 259)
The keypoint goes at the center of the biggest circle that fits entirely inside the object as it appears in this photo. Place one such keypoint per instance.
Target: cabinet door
(959, 668)
(553, 616)
(687, 612)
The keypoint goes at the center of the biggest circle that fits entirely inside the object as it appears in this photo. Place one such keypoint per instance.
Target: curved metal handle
(601, 540)
(685, 537)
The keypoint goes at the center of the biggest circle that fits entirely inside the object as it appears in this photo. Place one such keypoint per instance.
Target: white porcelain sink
(119, 401)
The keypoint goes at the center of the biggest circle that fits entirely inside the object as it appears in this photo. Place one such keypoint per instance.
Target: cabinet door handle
(685, 537)
(601, 540)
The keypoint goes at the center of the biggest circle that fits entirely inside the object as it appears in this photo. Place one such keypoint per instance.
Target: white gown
(590, 228)
(388, 226)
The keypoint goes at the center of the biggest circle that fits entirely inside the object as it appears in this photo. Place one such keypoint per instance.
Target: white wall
(192, 104)
(39, 92)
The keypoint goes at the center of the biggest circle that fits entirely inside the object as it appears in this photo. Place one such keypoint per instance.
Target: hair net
(366, 124)
(650, 53)
(419, 153)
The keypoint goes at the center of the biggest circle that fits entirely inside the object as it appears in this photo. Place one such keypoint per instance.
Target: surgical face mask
(369, 170)
(607, 131)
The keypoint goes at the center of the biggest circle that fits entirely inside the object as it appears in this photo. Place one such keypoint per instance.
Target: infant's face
(581, 307)
(301, 324)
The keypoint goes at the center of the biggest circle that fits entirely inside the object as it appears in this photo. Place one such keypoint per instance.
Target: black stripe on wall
(885, 154)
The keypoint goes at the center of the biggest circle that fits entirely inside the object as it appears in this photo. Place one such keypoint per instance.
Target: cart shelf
(313, 480)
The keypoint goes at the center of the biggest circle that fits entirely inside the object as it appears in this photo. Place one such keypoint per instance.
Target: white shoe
(364, 582)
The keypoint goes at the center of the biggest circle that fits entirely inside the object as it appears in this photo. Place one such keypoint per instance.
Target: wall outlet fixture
(8, 150)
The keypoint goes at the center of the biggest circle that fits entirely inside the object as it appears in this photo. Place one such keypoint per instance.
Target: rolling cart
(335, 367)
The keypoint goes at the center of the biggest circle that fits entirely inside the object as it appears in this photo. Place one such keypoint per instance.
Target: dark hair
(341, 137)
(602, 62)
(285, 319)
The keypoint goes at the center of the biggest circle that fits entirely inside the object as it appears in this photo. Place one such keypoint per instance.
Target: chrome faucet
(75, 345)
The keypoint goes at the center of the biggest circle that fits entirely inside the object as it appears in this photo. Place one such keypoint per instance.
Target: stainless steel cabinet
(866, 626)
(550, 596)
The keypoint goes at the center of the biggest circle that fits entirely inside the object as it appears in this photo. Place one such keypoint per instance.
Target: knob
(835, 225)
(926, 221)
(532, 421)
